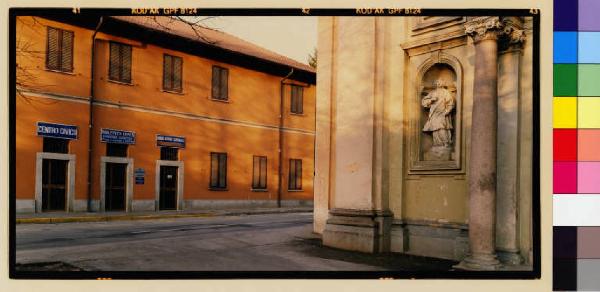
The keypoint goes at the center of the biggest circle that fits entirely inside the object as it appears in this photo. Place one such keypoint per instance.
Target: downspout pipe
(91, 115)
(280, 130)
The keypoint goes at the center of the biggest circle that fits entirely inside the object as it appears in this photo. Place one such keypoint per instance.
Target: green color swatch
(565, 80)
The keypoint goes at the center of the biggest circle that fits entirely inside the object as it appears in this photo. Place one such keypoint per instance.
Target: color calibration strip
(576, 120)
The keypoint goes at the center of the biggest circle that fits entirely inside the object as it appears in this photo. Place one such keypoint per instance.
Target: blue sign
(117, 136)
(139, 176)
(170, 141)
(56, 130)
(139, 180)
(139, 172)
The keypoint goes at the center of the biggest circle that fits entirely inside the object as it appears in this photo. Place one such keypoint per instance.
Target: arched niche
(436, 122)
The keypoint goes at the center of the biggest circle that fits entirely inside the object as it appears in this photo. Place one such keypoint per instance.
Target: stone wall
(372, 140)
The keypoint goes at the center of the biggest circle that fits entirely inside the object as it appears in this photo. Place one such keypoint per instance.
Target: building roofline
(119, 27)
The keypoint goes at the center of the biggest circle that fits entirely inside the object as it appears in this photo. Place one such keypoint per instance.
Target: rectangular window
(259, 173)
(169, 153)
(59, 50)
(172, 73)
(220, 81)
(297, 99)
(117, 150)
(218, 170)
(295, 177)
(56, 145)
(120, 62)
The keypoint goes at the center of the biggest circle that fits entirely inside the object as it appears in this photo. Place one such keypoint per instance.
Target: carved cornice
(484, 28)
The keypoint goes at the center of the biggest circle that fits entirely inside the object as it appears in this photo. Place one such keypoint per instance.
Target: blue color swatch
(565, 47)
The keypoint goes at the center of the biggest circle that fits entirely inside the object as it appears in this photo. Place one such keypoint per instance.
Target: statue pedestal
(438, 153)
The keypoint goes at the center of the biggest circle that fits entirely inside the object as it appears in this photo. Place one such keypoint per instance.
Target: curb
(105, 218)
(50, 220)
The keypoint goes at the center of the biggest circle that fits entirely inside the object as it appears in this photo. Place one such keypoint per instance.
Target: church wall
(427, 194)
(429, 204)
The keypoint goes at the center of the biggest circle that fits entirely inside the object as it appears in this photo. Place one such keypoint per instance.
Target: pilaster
(509, 123)
(359, 218)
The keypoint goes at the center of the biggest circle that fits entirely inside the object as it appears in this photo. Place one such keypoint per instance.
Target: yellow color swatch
(589, 112)
(565, 112)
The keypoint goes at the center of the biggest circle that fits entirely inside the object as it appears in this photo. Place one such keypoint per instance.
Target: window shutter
(214, 170)
(259, 172)
(114, 64)
(296, 102)
(293, 101)
(177, 68)
(292, 176)
(224, 84)
(300, 99)
(215, 82)
(67, 51)
(52, 52)
(295, 174)
(167, 72)
(125, 63)
(256, 172)
(223, 170)
(263, 172)
(298, 174)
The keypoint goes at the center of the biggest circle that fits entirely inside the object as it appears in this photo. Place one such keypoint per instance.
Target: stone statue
(440, 102)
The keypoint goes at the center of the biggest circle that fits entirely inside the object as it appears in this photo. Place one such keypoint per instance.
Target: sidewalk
(64, 217)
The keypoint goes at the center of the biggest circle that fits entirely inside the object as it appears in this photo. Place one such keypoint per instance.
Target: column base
(358, 230)
(510, 257)
(480, 262)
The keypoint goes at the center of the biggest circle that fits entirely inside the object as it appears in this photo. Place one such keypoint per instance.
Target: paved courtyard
(268, 242)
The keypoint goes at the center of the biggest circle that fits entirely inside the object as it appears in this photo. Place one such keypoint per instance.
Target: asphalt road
(271, 242)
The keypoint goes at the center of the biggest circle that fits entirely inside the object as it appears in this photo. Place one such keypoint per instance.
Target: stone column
(509, 122)
(482, 161)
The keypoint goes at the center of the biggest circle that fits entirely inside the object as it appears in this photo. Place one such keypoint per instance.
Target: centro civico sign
(170, 141)
(117, 136)
(56, 130)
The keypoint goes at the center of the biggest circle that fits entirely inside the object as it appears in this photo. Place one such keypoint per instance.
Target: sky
(291, 36)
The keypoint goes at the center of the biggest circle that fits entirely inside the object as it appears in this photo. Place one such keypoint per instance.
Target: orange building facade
(167, 116)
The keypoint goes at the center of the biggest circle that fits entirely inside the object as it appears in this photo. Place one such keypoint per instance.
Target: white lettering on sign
(56, 130)
(117, 136)
(47, 130)
(69, 132)
(171, 139)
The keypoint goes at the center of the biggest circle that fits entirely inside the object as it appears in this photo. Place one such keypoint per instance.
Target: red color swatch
(565, 144)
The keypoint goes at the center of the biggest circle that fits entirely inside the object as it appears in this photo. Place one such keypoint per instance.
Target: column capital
(513, 34)
(483, 28)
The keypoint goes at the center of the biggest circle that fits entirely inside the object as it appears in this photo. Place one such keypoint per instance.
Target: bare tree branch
(195, 24)
(28, 76)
